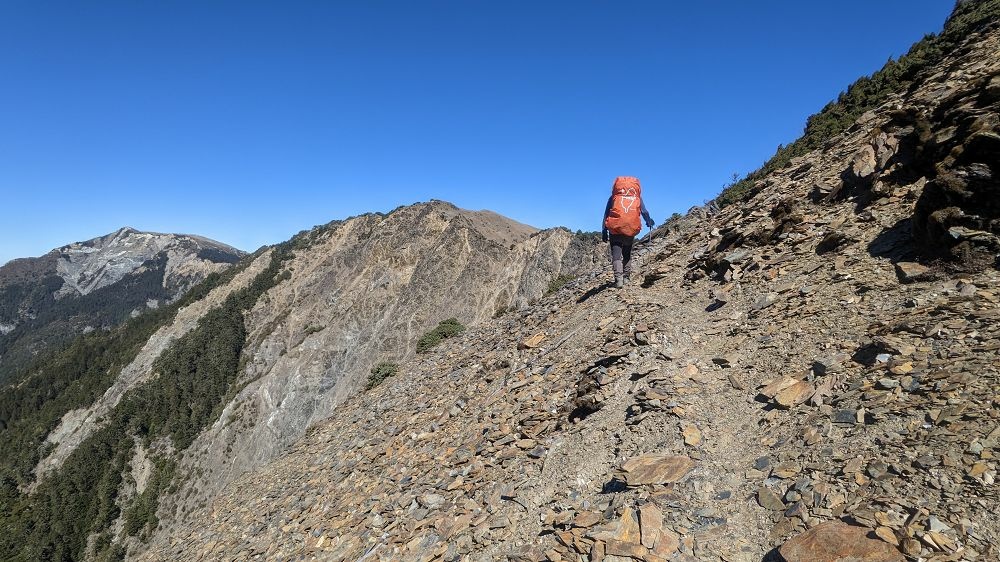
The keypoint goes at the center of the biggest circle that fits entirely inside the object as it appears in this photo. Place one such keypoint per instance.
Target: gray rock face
(88, 266)
(360, 291)
(364, 292)
(79, 424)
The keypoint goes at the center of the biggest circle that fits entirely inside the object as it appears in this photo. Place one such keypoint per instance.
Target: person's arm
(645, 214)
(607, 211)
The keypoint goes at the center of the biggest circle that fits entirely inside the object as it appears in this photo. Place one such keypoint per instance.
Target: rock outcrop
(958, 213)
(85, 267)
(362, 292)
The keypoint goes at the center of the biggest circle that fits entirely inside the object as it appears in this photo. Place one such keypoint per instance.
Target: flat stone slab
(656, 468)
(836, 541)
(910, 272)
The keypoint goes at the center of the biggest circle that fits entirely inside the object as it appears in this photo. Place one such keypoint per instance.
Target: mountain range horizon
(802, 369)
(129, 228)
(248, 134)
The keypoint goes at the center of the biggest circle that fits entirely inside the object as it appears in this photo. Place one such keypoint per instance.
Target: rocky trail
(795, 378)
(510, 442)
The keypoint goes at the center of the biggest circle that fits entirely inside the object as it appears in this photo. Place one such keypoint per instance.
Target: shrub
(380, 372)
(444, 330)
(558, 283)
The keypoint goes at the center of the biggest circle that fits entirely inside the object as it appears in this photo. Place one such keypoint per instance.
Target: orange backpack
(624, 216)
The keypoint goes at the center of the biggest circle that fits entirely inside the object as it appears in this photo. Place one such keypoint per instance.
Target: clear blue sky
(248, 121)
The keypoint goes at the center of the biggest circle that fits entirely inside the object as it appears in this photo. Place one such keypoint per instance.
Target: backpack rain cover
(624, 217)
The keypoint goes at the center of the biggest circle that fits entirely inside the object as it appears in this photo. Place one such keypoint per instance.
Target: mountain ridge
(270, 345)
(807, 376)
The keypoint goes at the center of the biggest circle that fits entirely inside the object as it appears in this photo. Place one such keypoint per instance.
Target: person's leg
(627, 257)
(617, 257)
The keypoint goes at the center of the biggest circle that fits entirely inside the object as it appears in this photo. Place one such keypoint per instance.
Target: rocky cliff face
(83, 286)
(363, 291)
(811, 375)
(348, 295)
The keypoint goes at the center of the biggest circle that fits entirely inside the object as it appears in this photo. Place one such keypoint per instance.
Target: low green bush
(380, 372)
(444, 330)
(558, 283)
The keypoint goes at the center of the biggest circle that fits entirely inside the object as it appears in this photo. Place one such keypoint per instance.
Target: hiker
(621, 224)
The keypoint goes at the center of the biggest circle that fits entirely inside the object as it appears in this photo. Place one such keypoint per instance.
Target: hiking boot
(619, 282)
(626, 279)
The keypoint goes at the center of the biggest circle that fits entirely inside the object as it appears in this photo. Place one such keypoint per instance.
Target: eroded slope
(788, 364)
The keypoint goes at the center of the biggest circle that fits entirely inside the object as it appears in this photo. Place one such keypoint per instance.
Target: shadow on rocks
(593, 292)
(895, 243)
(614, 486)
(714, 306)
(772, 556)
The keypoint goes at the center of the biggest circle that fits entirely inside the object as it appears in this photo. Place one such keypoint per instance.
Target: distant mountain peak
(102, 261)
(95, 283)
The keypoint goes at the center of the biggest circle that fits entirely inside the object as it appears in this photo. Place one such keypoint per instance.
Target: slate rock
(910, 272)
(770, 500)
(656, 468)
(836, 541)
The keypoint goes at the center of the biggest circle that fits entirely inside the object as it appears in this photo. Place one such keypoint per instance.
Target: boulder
(836, 541)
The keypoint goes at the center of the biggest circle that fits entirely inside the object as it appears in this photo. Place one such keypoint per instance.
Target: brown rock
(795, 394)
(769, 500)
(836, 541)
(863, 163)
(587, 519)
(902, 368)
(886, 534)
(533, 342)
(777, 385)
(909, 272)
(666, 544)
(911, 547)
(628, 528)
(650, 522)
(692, 436)
(624, 549)
(655, 468)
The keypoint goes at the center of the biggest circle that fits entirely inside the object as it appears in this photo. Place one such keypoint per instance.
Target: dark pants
(621, 254)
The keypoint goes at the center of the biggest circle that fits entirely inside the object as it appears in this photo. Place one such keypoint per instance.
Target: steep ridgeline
(810, 376)
(144, 423)
(47, 301)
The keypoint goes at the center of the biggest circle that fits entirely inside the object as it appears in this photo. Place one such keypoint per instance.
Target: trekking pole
(647, 239)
